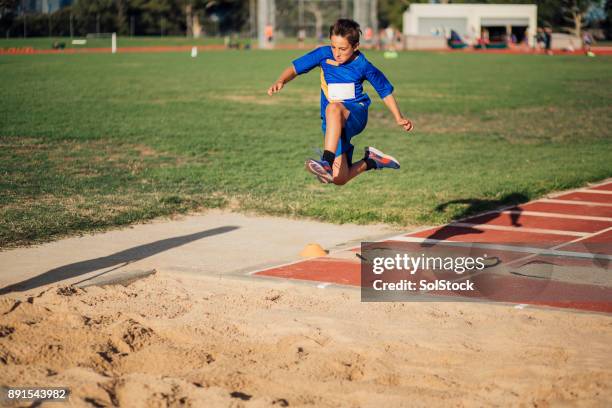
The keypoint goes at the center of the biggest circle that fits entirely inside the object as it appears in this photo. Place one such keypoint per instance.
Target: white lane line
(600, 183)
(586, 190)
(543, 252)
(585, 203)
(558, 215)
(274, 267)
(589, 185)
(509, 248)
(518, 229)
(591, 235)
(575, 241)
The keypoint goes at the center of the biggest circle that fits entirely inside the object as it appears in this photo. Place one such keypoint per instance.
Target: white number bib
(341, 92)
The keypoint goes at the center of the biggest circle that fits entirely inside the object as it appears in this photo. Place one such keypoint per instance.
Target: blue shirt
(343, 82)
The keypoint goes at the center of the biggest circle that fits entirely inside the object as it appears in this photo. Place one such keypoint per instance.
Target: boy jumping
(344, 105)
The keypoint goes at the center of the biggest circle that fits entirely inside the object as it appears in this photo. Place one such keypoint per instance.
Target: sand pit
(170, 340)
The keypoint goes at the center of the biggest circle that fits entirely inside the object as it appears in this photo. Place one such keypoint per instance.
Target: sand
(169, 340)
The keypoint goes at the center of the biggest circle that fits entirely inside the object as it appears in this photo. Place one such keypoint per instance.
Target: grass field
(94, 141)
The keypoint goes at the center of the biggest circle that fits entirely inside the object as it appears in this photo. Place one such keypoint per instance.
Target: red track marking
(216, 47)
(463, 234)
(602, 238)
(440, 249)
(600, 244)
(397, 275)
(569, 262)
(507, 256)
(584, 196)
(604, 187)
(338, 271)
(513, 284)
(570, 209)
(550, 223)
(518, 289)
(605, 237)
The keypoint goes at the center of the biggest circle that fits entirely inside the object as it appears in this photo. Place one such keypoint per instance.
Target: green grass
(94, 141)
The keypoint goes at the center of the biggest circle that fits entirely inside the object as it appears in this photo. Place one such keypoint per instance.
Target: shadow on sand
(117, 260)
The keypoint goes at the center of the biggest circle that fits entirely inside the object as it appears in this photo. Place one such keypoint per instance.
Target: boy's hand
(276, 87)
(405, 123)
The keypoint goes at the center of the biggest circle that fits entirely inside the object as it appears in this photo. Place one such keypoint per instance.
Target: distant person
(301, 37)
(399, 40)
(390, 38)
(368, 36)
(381, 40)
(525, 40)
(269, 33)
(587, 42)
(548, 40)
(483, 40)
(344, 104)
(540, 39)
(320, 38)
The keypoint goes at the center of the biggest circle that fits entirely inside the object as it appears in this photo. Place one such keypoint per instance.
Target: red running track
(576, 224)
(220, 47)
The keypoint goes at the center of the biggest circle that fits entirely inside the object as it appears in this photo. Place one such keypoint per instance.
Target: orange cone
(313, 251)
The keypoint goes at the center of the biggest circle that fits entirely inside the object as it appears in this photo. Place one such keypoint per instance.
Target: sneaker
(383, 161)
(322, 180)
(321, 169)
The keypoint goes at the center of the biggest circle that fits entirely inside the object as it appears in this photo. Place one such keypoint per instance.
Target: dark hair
(346, 28)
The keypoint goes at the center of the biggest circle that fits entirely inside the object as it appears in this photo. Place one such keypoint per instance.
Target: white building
(427, 25)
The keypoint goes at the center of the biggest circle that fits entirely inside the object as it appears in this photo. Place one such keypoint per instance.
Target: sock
(329, 157)
(370, 164)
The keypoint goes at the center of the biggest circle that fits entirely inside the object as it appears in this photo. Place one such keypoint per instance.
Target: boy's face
(342, 48)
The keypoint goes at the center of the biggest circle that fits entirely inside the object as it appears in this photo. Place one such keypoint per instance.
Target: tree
(608, 21)
(574, 12)
(390, 12)
(122, 22)
(8, 6)
(8, 9)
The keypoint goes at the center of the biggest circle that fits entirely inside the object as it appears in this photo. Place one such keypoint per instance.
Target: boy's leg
(338, 169)
(343, 173)
(336, 116)
(373, 159)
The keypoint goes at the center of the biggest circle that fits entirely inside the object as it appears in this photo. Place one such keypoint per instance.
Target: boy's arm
(300, 66)
(385, 91)
(286, 76)
(391, 103)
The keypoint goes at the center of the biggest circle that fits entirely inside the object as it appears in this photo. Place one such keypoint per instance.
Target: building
(428, 25)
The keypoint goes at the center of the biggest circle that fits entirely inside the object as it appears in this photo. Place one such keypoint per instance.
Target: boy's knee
(340, 181)
(333, 109)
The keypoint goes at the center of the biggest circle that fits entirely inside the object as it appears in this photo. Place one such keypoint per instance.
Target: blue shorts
(355, 124)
